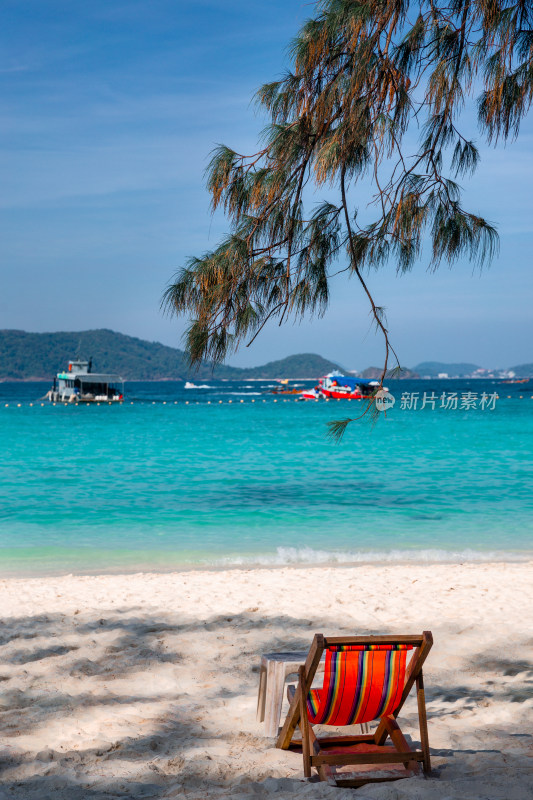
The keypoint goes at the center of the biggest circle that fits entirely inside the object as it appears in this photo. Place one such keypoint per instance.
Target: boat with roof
(341, 387)
(79, 384)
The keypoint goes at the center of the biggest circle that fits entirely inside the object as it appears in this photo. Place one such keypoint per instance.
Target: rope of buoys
(207, 402)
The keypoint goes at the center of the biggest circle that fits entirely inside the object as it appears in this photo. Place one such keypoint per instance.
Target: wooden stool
(274, 671)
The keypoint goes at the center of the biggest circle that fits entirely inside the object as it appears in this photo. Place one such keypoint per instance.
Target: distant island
(39, 356)
(438, 369)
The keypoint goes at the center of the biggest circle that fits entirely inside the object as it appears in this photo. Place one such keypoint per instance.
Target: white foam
(307, 555)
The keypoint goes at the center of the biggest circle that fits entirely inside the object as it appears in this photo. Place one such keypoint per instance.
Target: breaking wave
(306, 555)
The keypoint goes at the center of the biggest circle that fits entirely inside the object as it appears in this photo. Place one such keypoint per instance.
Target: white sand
(145, 685)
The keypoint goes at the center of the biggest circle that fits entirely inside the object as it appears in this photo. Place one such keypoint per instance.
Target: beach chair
(366, 679)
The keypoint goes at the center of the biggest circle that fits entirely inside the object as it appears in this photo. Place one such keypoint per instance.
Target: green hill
(27, 356)
(304, 365)
(374, 374)
(523, 370)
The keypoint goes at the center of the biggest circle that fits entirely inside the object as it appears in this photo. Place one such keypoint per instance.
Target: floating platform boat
(79, 384)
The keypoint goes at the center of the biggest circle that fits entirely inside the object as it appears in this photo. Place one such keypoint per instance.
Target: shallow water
(174, 477)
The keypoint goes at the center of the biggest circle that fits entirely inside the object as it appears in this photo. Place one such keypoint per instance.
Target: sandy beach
(145, 685)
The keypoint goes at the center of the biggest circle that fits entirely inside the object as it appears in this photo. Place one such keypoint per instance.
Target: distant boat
(311, 394)
(79, 384)
(189, 385)
(284, 387)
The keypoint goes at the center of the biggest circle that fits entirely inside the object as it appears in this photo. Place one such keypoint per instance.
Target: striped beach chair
(366, 679)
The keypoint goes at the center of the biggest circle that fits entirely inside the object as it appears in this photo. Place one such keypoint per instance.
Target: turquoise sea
(175, 478)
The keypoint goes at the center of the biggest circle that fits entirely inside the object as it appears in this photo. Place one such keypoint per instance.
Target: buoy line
(214, 401)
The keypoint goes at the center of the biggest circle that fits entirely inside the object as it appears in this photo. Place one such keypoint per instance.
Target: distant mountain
(522, 370)
(305, 365)
(434, 368)
(374, 373)
(27, 356)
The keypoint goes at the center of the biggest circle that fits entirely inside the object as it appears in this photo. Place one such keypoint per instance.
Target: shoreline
(493, 559)
(145, 685)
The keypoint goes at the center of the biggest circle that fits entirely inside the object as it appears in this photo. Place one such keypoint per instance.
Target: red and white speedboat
(311, 394)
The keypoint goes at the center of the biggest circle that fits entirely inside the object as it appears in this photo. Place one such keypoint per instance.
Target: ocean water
(175, 478)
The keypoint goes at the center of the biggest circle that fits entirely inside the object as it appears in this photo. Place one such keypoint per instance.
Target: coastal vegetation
(370, 113)
(26, 356)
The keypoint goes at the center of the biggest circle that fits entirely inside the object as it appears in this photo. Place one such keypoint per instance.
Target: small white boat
(311, 394)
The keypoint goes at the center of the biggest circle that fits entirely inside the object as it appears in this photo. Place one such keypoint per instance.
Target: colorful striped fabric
(344, 648)
(361, 683)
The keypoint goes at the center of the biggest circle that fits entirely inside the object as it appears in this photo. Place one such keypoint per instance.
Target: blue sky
(110, 110)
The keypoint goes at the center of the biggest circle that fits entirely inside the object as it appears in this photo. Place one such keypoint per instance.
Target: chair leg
(424, 738)
(304, 724)
(293, 717)
(399, 742)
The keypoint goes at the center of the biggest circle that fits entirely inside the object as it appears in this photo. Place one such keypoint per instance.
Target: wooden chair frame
(315, 751)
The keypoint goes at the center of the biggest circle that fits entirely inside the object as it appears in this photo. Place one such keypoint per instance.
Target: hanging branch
(364, 74)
